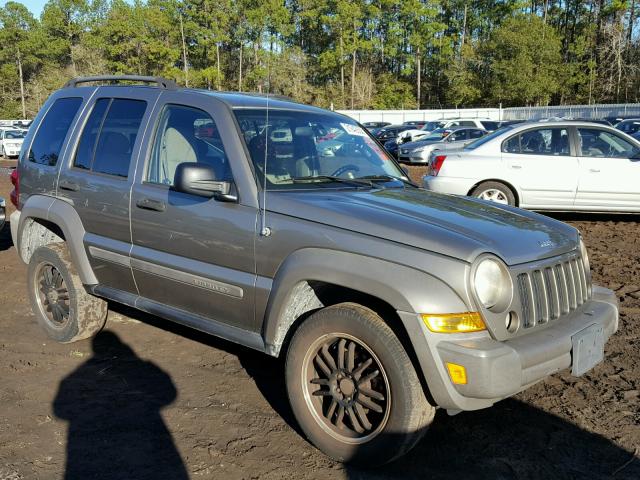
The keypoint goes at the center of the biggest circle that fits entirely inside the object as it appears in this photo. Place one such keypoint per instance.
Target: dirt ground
(147, 399)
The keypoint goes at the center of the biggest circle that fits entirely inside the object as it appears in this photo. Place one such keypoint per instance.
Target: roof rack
(161, 82)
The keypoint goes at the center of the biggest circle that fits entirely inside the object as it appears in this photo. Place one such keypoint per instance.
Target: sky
(34, 6)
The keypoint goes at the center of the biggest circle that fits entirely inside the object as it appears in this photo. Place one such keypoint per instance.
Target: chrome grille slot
(549, 292)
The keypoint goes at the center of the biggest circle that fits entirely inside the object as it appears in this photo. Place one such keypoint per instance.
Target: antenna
(264, 230)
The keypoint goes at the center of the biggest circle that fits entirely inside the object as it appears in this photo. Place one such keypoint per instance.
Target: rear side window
(489, 125)
(46, 145)
(107, 141)
(542, 141)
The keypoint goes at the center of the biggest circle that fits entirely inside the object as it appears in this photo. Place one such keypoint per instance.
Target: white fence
(401, 116)
(514, 113)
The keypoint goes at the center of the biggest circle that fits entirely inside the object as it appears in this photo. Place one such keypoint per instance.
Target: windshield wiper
(386, 178)
(328, 178)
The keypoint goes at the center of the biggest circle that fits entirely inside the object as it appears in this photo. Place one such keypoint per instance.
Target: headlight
(492, 284)
(422, 149)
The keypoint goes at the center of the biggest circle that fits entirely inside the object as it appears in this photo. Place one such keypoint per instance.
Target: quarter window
(107, 141)
(541, 141)
(602, 144)
(186, 134)
(45, 148)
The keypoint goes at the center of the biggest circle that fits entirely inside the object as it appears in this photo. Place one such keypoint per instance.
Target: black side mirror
(199, 179)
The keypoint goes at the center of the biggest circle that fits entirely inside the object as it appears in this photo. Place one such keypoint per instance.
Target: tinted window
(489, 125)
(87, 145)
(117, 137)
(600, 143)
(541, 141)
(47, 143)
(14, 134)
(186, 134)
(467, 123)
(476, 133)
(458, 136)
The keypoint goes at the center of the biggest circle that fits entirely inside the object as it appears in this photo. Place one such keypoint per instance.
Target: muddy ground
(205, 408)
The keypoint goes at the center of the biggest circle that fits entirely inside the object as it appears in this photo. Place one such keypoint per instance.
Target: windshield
(14, 134)
(438, 134)
(310, 150)
(482, 140)
(431, 126)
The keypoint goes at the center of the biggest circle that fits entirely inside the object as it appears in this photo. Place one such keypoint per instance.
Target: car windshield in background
(487, 138)
(14, 134)
(431, 126)
(302, 149)
(438, 134)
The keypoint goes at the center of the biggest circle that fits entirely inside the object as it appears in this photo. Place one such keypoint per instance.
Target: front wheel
(353, 388)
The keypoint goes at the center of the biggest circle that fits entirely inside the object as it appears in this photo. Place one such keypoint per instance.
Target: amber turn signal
(454, 322)
(457, 373)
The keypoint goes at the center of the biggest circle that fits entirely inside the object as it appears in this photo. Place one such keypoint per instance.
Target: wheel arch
(509, 185)
(45, 220)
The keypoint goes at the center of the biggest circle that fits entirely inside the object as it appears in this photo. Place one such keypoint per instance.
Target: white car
(11, 142)
(414, 135)
(542, 166)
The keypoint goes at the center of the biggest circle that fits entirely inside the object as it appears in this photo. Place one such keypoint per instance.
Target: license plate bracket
(587, 349)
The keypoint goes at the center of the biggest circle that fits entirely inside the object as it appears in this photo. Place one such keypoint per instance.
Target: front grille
(549, 292)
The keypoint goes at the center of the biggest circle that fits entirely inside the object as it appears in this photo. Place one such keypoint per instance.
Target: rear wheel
(353, 388)
(495, 192)
(61, 305)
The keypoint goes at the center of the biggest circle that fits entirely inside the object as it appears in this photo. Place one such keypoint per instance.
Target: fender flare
(404, 288)
(67, 219)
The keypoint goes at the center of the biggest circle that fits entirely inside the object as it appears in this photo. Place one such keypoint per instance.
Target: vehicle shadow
(5, 237)
(593, 217)
(112, 403)
(512, 440)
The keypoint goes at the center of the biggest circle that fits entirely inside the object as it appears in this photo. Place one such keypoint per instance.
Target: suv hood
(459, 227)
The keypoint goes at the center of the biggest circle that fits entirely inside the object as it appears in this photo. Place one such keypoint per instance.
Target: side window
(87, 145)
(46, 145)
(467, 123)
(457, 136)
(603, 144)
(488, 125)
(117, 137)
(476, 133)
(186, 134)
(541, 141)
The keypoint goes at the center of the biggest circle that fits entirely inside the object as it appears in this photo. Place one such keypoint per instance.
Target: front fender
(404, 288)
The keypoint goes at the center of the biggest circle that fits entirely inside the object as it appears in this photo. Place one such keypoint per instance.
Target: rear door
(193, 253)
(98, 178)
(609, 171)
(543, 165)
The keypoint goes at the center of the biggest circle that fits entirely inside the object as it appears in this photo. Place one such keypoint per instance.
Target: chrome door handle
(517, 167)
(150, 204)
(594, 170)
(67, 185)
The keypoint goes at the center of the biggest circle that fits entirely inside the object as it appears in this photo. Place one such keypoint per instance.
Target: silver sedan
(545, 166)
(440, 139)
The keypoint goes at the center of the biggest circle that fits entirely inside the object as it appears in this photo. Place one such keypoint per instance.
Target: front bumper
(496, 370)
(411, 157)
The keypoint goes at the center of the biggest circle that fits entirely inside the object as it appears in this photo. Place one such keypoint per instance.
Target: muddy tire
(495, 192)
(353, 388)
(59, 301)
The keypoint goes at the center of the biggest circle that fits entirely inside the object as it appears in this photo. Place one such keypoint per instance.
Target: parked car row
(545, 166)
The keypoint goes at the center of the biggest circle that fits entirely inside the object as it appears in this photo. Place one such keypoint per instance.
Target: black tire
(59, 301)
(405, 413)
(505, 192)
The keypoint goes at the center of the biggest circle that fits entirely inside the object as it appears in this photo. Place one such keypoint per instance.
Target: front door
(609, 171)
(99, 177)
(189, 252)
(541, 163)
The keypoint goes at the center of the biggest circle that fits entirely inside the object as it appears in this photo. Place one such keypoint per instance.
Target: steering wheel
(344, 169)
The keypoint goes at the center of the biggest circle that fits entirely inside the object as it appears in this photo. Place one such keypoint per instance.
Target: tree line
(342, 53)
